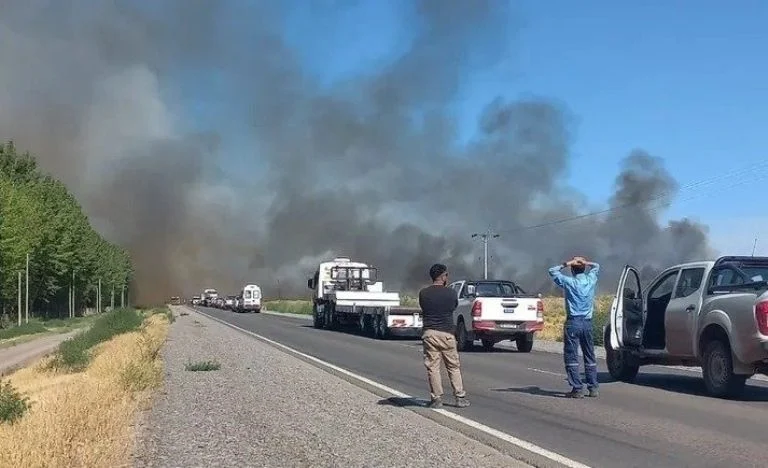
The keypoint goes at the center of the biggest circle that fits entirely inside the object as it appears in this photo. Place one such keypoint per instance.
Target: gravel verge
(264, 407)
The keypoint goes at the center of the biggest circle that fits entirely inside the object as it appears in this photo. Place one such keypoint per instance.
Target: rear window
(496, 290)
(247, 294)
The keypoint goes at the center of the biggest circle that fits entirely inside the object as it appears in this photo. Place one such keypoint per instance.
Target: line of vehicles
(248, 299)
(348, 293)
(709, 314)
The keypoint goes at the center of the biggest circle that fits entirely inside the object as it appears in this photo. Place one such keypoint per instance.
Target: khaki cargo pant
(441, 347)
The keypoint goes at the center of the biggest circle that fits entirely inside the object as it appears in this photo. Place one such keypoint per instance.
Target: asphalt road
(662, 420)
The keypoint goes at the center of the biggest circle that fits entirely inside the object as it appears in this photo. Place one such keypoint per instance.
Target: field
(78, 407)
(554, 314)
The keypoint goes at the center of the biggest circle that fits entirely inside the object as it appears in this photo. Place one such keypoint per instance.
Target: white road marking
(546, 372)
(469, 422)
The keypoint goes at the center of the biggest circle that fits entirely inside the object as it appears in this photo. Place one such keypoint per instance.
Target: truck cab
(496, 310)
(345, 292)
(708, 314)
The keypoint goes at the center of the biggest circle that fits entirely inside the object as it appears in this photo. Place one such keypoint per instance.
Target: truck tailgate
(508, 309)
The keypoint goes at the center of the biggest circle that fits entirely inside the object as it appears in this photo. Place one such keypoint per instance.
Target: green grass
(34, 327)
(202, 366)
(38, 326)
(302, 307)
(74, 353)
(12, 404)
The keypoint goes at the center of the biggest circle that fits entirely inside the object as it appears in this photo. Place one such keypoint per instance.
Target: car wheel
(524, 343)
(717, 370)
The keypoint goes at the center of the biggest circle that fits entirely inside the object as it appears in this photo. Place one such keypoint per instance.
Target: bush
(73, 354)
(202, 366)
(12, 404)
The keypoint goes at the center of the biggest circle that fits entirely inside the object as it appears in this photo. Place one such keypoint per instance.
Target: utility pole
(19, 297)
(26, 305)
(754, 246)
(98, 298)
(485, 237)
(74, 295)
(122, 297)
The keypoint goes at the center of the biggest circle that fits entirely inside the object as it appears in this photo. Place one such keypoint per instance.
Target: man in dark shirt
(437, 304)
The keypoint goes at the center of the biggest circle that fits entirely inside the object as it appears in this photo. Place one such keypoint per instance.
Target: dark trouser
(578, 332)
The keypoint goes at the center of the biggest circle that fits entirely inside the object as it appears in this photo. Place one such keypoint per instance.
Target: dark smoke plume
(371, 166)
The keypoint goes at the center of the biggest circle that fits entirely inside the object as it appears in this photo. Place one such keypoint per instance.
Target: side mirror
(311, 283)
(471, 290)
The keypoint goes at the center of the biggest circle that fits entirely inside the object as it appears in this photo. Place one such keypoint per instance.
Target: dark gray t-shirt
(437, 305)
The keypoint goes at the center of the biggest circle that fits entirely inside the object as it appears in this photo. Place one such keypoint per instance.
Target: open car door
(627, 311)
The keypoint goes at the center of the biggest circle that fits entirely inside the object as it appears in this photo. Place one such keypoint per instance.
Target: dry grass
(554, 317)
(86, 418)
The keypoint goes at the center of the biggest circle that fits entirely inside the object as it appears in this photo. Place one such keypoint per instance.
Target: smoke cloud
(371, 166)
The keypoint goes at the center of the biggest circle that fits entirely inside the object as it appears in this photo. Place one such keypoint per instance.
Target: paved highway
(663, 420)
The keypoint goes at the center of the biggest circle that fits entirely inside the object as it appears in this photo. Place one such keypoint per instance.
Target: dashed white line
(556, 457)
(541, 371)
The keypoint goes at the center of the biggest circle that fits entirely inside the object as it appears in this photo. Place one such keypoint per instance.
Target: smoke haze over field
(370, 167)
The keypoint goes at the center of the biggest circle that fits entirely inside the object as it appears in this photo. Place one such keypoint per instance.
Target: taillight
(477, 309)
(761, 314)
(540, 309)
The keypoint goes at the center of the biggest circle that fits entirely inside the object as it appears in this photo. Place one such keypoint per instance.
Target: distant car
(195, 300)
(175, 300)
(229, 303)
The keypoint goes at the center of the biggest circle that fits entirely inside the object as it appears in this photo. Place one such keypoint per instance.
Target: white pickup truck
(494, 310)
(711, 314)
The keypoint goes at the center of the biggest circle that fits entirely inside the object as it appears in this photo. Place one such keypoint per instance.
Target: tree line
(41, 219)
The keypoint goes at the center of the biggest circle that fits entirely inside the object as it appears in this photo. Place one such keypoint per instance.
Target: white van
(251, 298)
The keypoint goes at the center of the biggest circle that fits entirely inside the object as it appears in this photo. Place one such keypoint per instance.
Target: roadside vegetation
(39, 327)
(554, 314)
(39, 217)
(202, 366)
(80, 405)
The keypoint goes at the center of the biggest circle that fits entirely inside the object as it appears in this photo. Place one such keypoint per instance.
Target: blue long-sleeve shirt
(579, 290)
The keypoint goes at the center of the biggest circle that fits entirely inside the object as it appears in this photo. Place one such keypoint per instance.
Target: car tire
(524, 344)
(717, 371)
(621, 366)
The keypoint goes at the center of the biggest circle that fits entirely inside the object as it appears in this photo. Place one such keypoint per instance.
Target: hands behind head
(577, 260)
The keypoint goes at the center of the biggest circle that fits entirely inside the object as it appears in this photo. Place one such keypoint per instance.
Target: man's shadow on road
(409, 402)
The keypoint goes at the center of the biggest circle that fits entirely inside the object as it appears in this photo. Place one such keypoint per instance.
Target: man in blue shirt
(579, 292)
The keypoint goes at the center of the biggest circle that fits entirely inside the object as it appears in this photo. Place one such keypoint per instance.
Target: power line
(744, 171)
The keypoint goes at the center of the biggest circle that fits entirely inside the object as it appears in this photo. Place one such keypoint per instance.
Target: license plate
(509, 310)
(507, 325)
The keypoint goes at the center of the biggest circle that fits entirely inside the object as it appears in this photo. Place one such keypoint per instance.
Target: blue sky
(684, 80)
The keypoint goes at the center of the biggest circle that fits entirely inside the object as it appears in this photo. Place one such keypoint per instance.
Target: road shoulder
(267, 407)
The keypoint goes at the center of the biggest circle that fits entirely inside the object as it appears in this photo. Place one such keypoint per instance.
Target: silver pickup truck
(710, 314)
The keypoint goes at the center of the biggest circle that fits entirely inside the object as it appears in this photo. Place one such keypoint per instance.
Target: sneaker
(436, 403)
(462, 402)
(593, 393)
(574, 394)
